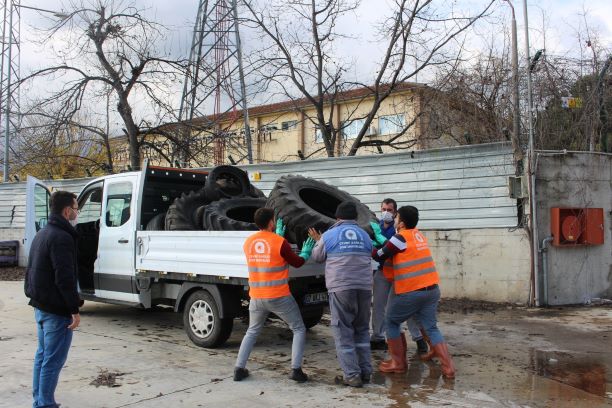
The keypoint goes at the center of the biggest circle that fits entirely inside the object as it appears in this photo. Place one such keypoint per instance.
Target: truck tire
(312, 317)
(157, 223)
(256, 193)
(232, 214)
(202, 323)
(304, 202)
(227, 182)
(182, 212)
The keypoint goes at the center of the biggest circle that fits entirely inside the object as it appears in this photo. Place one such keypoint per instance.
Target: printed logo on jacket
(259, 251)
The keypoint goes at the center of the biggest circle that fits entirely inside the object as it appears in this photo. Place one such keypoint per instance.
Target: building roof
(294, 104)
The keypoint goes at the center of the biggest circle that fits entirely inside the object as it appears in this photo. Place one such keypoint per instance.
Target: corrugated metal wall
(13, 195)
(459, 187)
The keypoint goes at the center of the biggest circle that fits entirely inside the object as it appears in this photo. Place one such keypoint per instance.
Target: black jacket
(51, 276)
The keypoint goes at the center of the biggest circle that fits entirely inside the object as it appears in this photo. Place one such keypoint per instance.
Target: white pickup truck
(202, 274)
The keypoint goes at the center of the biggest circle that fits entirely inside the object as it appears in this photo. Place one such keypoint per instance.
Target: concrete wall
(489, 264)
(576, 179)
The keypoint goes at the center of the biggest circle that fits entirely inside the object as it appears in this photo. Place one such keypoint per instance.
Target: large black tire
(181, 215)
(157, 223)
(312, 317)
(232, 214)
(256, 193)
(304, 202)
(202, 323)
(227, 182)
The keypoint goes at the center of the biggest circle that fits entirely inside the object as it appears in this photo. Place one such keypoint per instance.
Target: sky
(553, 26)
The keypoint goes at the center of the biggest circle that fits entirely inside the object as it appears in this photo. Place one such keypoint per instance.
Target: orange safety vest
(388, 269)
(268, 270)
(414, 268)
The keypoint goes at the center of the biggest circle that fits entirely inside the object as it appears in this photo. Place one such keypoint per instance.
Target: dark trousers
(350, 323)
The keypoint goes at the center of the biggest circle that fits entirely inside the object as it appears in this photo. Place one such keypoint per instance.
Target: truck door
(114, 274)
(37, 210)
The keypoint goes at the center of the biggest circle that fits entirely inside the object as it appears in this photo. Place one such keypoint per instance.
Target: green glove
(307, 248)
(280, 228)
(378, 236)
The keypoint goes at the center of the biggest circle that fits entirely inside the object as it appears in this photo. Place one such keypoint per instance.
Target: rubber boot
(397, 352)
(446, 362)
(430, 354)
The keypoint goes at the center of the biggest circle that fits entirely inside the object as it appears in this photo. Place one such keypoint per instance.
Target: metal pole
(516, 123)
(245, 110)
(516, 114)
(7, 121)
(532, 198)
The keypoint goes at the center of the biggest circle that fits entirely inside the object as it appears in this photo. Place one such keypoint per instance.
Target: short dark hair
(60, 200)
(409, 215)
(390, 201)
(262, 217)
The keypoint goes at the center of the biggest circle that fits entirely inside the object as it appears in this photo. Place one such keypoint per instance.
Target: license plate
(314, 298)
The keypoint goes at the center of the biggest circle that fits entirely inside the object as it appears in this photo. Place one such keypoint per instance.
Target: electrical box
(517, 187)
(577, 226)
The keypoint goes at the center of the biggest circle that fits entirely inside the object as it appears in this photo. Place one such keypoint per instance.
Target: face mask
(74, 222)
(386, 217)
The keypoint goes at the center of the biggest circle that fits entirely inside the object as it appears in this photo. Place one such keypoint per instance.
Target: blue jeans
(350, 324)
(381, 293)
(54, 338)
(287, 309)
(421, 304)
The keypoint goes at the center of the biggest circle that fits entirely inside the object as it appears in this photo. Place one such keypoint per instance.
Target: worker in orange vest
(415, 282)
(268, 257)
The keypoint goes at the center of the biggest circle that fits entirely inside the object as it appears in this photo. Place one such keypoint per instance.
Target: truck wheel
(227, 182)
(180, 215)
(157, 223)
(202, 322)
(312, 317)
(232, 214)
(305, 202)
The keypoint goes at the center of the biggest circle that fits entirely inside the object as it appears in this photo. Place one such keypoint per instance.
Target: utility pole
(516, 116)
(531, 168)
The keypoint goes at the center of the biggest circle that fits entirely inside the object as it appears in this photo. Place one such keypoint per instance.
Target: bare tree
(111, 46)
(299, 57)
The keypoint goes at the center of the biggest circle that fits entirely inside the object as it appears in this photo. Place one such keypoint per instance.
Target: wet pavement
(505, 357)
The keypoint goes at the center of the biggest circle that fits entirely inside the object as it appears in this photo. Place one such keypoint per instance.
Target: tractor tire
(157, 223)
(227, 182)
(304, 202)
(232, 214)
(181, 214)
(256, 193)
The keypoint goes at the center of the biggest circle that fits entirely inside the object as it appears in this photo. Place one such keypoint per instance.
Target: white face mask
(74, 222)
(386, 217)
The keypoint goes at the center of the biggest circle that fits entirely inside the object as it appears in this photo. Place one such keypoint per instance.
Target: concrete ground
(123, 357)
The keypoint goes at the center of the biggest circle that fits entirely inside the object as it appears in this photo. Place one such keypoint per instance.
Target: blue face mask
(386, 217)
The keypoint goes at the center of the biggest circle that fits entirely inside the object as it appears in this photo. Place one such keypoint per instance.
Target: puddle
(413, 387)
(577, 371)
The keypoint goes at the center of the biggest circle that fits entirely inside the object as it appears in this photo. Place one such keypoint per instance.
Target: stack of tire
(228, 202)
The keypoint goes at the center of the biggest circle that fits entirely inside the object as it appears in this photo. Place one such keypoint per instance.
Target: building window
(350, 129)
(391, 124)
(318, 135)
(289, 125)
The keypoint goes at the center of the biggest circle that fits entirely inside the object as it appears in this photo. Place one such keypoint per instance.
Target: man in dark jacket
(51, 285)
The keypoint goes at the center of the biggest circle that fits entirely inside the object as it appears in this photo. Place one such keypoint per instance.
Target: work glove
(307, 248)
(378, 236)
(280, 228)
